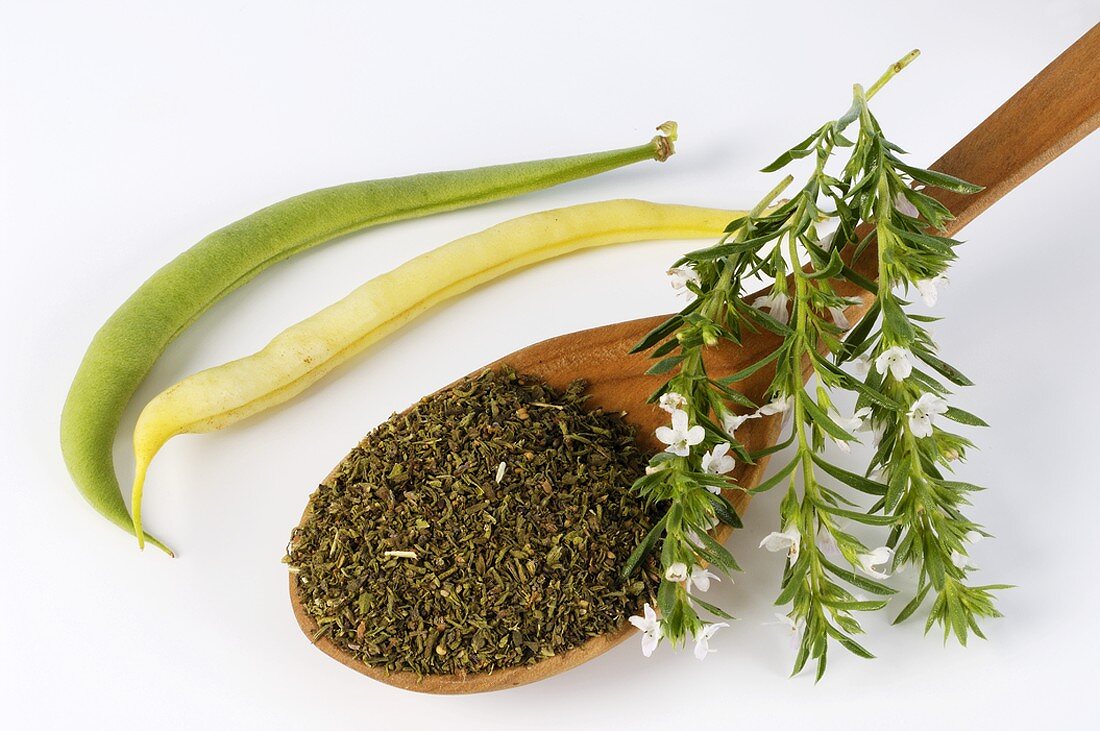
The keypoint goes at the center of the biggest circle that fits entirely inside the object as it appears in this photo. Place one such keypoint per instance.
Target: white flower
(794, 625)
(680, 277)
(652, 469)
(922, 413)
(731, 422)
(928, 289)
(862, 365)
(651, 628)
(827, 543)
(775, 304)
(839, 318)
(878, 430)
(960, 559)
(877, 557)
(700, 578)
(898, 360)
(778, 405)
(856, 423)
(707, 520)
(717, 461)
(680, 439)
(671, 401)
(904, 205)
(677, 572)
(789, 540)
(702, 639)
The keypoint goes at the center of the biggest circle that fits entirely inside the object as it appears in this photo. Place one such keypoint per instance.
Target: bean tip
(664, 142)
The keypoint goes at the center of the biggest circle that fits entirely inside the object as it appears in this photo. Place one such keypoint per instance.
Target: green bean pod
(124, 350)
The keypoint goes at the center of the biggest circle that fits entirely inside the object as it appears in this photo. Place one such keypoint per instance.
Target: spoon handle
(1054, 111)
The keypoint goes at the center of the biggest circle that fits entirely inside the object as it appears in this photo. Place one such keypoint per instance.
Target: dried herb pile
(416, 557)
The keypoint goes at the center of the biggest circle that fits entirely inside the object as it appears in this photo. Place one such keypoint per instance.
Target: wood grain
(1056, 109)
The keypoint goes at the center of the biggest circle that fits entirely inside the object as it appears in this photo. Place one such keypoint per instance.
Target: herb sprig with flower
(875, 198)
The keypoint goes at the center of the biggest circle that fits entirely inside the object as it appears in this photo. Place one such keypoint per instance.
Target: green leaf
(854, 606)
(661, 332)
(822, 660)
(850, 478)
(775, 479)
(938, 244)
(871, 394)
(793, 580)
(899, 480)
(891, 146)
(858, 279)
(833, 268)
(717, 554)
(666, 347)
(746, 372)
(958, 486)
(666, 598)
(802, 149)
(761, 318)
(720, 251)
(731, 395)
(853, 384)
(939, 180)
(716, 611)
(768, 451)
(853, 647)
(821, 419)
(930, 209)
(857, 516)
(849, 116)
(913, 605)
(736, 224)
(949, 372)
(724, 511)
(963, 417)
(858, 334)
(644, 547)
(894, 318)
(958, 618)
(665, 365)
(785, 159)
(803, 654)
(856, 580)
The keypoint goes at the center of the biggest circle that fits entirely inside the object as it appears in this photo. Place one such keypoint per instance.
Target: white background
(130, 130)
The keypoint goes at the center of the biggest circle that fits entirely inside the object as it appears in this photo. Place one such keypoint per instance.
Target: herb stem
(894, 69)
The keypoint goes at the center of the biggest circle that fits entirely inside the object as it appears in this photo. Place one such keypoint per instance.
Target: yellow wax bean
(124, 350)
(302, 354)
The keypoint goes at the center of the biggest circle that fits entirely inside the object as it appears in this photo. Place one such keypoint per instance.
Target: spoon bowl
(1056, 109)
(617, 382)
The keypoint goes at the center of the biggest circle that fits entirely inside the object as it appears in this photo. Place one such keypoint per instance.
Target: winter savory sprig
(876, 206)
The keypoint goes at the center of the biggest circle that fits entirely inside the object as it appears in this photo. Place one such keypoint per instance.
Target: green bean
(124, 350)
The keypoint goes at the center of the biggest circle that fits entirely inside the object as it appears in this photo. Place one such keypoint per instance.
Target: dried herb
(486, 527)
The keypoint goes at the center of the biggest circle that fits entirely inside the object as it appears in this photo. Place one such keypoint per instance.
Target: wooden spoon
(1052, 112)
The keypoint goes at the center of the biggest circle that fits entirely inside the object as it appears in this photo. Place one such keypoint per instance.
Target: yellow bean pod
(300, 355)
